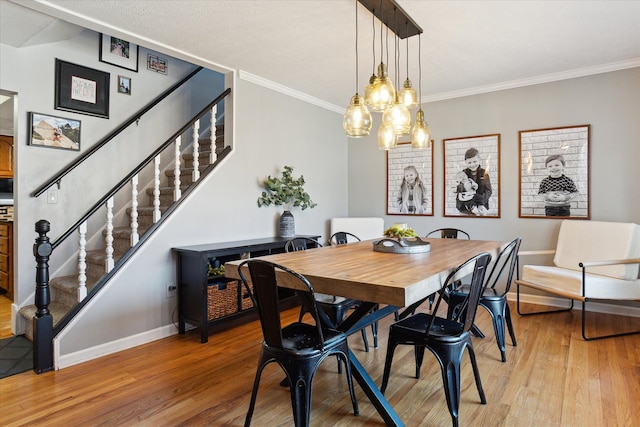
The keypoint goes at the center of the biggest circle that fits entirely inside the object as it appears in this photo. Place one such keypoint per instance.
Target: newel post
(43, 321)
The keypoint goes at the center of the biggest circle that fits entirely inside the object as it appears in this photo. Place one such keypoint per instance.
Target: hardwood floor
(5, 317)
(552, 378)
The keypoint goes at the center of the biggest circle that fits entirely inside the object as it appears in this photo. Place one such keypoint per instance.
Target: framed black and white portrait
(472, 176)
(554, 172)
(410, 180)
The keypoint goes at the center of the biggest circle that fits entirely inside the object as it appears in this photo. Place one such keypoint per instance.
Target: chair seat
(302, 338)
(329, 299)
(440, 329)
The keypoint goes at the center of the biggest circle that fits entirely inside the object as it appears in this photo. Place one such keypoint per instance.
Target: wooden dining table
(385, 282)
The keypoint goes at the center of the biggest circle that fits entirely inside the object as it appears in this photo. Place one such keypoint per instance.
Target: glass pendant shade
(397, 117)
(420, 132)
(367, 90)
(387, 139)
(408, 95)
(357, 119)
(382, 92)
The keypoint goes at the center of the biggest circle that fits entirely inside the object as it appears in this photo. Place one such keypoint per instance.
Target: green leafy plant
(285, 191)
(399, 232)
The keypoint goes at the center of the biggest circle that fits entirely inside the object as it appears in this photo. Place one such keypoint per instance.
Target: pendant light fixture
(357, 119)
(382, 92)
(421, 132)
(408, 95)
(397, 116)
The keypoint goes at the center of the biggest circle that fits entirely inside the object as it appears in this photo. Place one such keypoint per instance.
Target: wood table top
(357, 271)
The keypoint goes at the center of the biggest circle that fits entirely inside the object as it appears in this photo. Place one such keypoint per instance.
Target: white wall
(609, 102)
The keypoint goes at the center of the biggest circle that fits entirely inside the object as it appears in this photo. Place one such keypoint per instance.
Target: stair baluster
(177, 192)
(134, 211)
(196, 151)
(213, 155)
(82, 261)
(156, 189)
(108, 262)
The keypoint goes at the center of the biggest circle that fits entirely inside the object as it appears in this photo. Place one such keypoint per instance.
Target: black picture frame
(404, 163)
(119, 52)
(554, 172)
(81, 89)
(46, 130)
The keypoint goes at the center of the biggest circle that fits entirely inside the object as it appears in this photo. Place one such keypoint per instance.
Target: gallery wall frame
(157, 64)
(472, 176)
(119, 52)
(124, 85)
(554, 172)
(410, 181)
(50, 131)
(81, 89)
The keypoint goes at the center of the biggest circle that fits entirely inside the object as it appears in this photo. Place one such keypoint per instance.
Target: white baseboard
(66, 360)
(597, 307)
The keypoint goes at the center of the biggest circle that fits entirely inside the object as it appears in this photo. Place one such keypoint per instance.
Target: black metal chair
(336, 307)
(449, 233)
(342, 237)
(494, 295)
(445, 338)
(298, 348)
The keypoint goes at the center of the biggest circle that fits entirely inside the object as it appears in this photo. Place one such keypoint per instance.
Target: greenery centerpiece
(288, 192)
(400, 231)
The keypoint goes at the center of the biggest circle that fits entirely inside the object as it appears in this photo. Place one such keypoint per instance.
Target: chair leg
(496, 309)
(301, 400)
(365, 341)
(507, 316)
(418, 351)
(599, 337)
(476, 373)
(352, 392)
(391, 347)
(254, 392)
(374, 331)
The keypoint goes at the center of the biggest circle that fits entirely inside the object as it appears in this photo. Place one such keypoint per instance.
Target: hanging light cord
(420, 68)
(356, 46)
(406, 26)
(373, 27)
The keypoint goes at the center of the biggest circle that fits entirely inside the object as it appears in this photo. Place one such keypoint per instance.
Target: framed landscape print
(410, 180)
(119, 52)
(54, 132)
(472, 176)
(554, 172)
(81, 90)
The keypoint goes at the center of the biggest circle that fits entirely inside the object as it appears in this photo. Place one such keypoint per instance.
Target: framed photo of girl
(410, 180)
(472, 176)
(554, 172)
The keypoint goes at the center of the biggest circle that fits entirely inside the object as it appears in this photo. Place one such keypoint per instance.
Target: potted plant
(289, 192)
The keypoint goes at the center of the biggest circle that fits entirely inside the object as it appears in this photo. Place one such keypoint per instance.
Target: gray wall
(609, 102)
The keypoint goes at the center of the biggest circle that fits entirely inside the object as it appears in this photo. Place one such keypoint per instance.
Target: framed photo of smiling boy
(472, 176)
(554, 173)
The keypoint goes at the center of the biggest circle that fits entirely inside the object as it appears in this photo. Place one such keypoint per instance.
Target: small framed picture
(157, 64)
(118, 52)
(472, 176)
(81, 90)
(124, 85)
(54, 132)
(554, 172)
(410, 181)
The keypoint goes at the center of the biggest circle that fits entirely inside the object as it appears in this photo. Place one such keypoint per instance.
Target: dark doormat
(16, 355)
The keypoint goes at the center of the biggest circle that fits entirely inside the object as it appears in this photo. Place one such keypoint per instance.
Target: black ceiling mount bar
(403, 26)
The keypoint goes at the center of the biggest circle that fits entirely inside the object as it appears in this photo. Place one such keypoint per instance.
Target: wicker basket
(222, 299)
(245, 299)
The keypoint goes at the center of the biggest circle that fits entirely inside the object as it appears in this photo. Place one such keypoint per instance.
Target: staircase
(65, 289)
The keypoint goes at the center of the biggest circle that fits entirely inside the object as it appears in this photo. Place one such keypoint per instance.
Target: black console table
(205, 300)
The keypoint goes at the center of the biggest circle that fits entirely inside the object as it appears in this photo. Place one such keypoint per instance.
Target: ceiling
(307, 47)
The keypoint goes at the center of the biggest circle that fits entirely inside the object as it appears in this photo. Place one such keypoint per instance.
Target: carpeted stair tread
(57, 310)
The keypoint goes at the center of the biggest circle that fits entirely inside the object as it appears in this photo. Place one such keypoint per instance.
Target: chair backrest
(450, 233)
(342, 238)
(301, 244)
(469, 307)
(508, 257)
(364, 227)
(265, 297)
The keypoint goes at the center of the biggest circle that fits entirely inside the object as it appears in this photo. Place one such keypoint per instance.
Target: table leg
(362, 317)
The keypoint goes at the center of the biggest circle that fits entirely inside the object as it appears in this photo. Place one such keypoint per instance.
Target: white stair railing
(195, 175)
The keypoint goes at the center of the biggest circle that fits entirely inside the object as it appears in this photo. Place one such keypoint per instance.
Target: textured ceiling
(309, 46)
